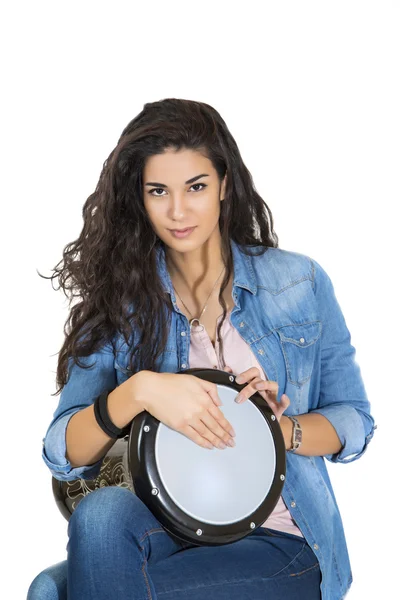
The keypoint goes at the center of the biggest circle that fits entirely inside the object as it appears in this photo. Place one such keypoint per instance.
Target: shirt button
(302, 340)
(184, 366)
(293, 504)
(316, 547)
(183, 333)
(241, 324)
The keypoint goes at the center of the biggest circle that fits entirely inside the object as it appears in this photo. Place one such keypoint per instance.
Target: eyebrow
(162, 185)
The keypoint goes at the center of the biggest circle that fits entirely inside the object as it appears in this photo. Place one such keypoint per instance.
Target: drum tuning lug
(282, 477)
(154, 491)
(146, 428)
(231, 378)
(273, 417)
(199, 532)
(252, 525)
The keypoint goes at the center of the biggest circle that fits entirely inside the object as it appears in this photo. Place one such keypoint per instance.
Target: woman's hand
(268, 390)
(187, 404)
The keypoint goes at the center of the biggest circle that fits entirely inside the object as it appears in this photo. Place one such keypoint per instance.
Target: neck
(196, 271)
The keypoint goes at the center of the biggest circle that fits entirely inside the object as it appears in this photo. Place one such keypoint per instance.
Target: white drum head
(219, 486)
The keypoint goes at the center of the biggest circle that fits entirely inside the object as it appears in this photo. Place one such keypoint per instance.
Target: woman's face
(181, 189)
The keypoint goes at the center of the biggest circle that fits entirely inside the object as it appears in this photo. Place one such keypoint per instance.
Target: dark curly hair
(113, 261)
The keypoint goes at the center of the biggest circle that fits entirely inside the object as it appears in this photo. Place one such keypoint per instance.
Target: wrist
(287, 430)
(138, 386)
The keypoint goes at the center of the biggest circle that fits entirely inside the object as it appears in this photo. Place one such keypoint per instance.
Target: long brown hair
(113, 261)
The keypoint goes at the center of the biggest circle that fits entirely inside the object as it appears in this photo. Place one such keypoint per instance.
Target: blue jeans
(118, 550)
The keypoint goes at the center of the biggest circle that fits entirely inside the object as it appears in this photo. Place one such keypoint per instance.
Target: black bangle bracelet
(120, 432)
(100, 421)
(105, 417)
(104, 421)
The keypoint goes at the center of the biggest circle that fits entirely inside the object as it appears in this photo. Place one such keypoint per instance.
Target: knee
(105, 508)
(50, 584)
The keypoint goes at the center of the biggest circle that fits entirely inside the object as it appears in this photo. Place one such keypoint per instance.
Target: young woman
(221, 294)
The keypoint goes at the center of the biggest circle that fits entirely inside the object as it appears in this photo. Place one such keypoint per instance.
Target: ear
(223, 185)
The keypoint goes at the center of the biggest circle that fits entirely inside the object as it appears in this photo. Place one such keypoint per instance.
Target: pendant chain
(192, 321)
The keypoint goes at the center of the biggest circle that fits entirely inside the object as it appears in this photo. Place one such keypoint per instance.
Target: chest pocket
(166, 362)
(298, 343)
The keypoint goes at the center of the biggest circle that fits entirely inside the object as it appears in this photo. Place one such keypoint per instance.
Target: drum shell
(148, 484)
(131, 463)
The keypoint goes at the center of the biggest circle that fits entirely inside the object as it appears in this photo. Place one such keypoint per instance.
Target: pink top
(239, 357)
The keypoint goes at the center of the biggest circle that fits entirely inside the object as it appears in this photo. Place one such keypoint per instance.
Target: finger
(247, 391)
(214, 429)
(267, 385)
(219, 417)
(247, 375)
(195, 437)
(270, 387)
(211, 389)
(228, 369)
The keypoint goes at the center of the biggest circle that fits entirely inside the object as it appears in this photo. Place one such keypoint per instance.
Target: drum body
(200, 496)
(210, 497)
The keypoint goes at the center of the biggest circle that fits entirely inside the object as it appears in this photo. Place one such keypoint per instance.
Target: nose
(176, 210)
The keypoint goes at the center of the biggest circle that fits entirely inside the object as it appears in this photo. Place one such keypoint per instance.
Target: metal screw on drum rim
(252, 525)
(231, 378)
(154, 491)
(273, 417)
(282, 477)
(146, 428)
(199, 532)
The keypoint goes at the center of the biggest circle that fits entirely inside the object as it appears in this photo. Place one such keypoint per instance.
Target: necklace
(192, 321)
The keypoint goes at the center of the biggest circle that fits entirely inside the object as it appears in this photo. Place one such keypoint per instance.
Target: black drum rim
(146, 477)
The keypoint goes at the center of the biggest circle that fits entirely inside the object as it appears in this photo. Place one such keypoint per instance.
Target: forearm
(85, 440)
(319, 435)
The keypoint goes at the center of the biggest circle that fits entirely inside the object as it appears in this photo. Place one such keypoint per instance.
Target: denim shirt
(286, 310)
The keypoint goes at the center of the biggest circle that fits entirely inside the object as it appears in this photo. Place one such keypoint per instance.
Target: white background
(310, 91)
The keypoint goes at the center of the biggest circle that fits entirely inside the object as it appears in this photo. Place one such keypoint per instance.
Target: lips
(182, 233)
(182, 230)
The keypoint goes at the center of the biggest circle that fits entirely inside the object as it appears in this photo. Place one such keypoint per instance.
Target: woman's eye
(156, 190)
(162, 190)
(203, 184)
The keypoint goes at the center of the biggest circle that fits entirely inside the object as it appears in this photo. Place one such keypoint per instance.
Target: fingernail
(238, 379)
(239, 399)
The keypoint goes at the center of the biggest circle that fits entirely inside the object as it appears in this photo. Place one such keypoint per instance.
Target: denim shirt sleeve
(82, 388)
(343, 399)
